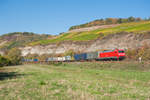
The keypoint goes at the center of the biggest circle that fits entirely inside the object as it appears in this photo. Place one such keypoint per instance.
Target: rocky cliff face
(120, 40)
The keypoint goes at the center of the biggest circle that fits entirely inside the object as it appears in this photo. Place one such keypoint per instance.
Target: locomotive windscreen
(121, 51)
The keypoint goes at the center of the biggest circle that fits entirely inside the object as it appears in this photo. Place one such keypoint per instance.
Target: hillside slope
(126, 35)
(107, 21)
(19, 39)
(135, 27)
(122, 40)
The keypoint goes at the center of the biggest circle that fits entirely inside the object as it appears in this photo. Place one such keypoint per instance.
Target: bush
(14, 55)
(143, 52)
(4, 61)
(132, 54)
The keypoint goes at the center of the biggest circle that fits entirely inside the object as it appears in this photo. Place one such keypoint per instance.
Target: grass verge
(77, 81)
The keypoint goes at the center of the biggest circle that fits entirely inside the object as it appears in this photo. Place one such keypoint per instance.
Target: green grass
(77, 81)
(129, 27)
(136, 27)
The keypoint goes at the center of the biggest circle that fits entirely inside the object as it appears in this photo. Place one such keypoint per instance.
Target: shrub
(70, 52)
(14, 55)
(4, 61)
(143, 52)
(131, 54)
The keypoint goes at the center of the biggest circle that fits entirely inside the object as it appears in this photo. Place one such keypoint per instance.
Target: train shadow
(120, 59)
(9, 75)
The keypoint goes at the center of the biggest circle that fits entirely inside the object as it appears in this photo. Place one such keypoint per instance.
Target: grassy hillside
(76, 81)
(107, 21)
(19, 39)
(136, 27)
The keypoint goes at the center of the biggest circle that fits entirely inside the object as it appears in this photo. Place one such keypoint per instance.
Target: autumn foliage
(12, 57)
(107, 21)
(143, 52)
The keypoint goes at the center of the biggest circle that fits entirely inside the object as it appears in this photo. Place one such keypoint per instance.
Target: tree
(131, 53)
(14, 55)
(138, 19)
(4, 61)
(109, 21)
(120, 20)
(131, 19)
(149, 18)
(61, 33)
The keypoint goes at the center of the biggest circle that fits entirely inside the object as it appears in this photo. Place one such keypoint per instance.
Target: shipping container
(29, 60)
(61, 58)
(55, 58)
(68, 58)
(46, 59)
(50, 59)
(82, 56)
(92, 55)
(35, 60)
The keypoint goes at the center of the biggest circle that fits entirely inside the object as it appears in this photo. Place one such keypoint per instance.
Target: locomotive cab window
(121, 51)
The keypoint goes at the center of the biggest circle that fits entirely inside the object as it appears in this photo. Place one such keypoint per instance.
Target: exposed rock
(1, 53)
(120, 40)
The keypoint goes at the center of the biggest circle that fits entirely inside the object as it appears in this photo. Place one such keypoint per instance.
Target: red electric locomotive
(117, 54)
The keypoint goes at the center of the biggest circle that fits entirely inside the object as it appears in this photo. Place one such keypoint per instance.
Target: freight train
(116, 54)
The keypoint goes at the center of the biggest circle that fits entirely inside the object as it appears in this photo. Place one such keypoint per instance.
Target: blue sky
(55, 16)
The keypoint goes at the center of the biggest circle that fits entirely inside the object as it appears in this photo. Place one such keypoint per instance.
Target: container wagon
(61, 58)
(82, 56)
(92, 55)
(35, 60)
(68, 58)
